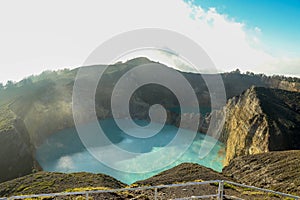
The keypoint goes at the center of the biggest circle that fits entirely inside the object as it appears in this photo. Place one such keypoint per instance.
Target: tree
(1, 86)
(250, 73)
(237, 71)
(9, 84)
(25, 81)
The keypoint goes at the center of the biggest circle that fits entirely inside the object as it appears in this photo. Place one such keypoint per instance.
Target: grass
(121, 193)
(86, 189)
(68, 198)
(229, 186)
(39, 198)
(253, 193)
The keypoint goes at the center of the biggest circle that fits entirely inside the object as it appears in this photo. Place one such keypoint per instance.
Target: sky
(259, 36)
(277, 20)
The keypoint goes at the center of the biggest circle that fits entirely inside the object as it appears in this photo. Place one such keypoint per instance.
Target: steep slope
(278, 171)
(261, 120)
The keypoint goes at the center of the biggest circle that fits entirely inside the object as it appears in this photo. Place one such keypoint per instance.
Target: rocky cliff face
(261, 120)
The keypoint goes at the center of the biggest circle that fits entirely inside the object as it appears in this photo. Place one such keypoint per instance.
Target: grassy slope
(47, 182)
(44, 182)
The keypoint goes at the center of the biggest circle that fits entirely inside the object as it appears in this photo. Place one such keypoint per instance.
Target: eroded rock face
(261, 120)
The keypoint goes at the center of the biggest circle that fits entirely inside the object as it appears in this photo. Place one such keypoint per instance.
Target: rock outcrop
(261, 120)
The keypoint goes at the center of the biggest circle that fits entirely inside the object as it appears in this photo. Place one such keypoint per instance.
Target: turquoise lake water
(64, 152)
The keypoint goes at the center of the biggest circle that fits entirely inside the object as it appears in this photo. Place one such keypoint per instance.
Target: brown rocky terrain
(186, 172)
(279, 171)
(247, 169)
(268, 170)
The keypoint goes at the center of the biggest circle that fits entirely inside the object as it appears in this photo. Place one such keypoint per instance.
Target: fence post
(87, 196)
(155, 194)
(221, 190)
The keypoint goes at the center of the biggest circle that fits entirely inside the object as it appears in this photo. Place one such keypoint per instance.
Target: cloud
(49, 35)
(65, 164)
(283, 66)
(257, 30)
(226, 41)
(167, 57)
